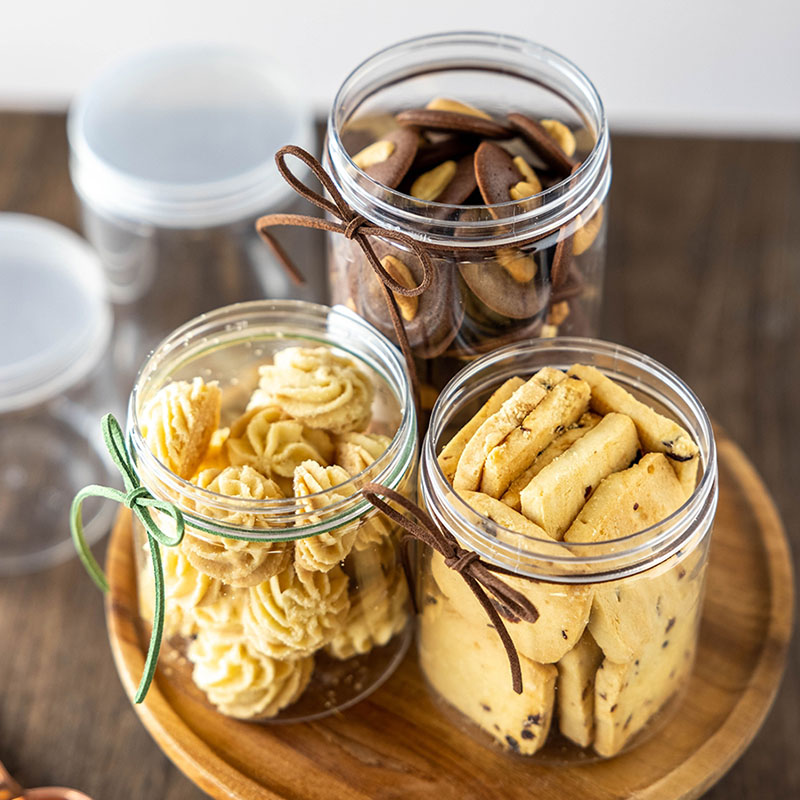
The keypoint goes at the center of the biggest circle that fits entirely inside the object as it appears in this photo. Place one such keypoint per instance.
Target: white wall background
(719, 66)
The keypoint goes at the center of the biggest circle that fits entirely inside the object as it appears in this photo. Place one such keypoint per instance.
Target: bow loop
(480, 578)
(354, 227)
(139, 500)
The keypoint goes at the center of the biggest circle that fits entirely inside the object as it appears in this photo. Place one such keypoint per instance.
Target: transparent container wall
(47, 454)
(292, 647)
(483, 296)
(161, 277)
(612, 651)
(589, 691)
(477, 304)
(291, 627)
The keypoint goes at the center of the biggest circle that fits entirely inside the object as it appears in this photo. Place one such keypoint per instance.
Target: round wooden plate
(397, 744)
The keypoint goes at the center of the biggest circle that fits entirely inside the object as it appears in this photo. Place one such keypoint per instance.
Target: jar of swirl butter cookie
(493, 154)
(583, 475)
(285, 599)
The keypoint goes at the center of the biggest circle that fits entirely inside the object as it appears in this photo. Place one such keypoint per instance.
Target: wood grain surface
(702, 274)
(399, 744)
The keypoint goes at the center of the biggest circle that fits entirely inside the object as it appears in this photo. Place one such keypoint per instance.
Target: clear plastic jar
(475, 304)
(640, 597)
(278, 609)
(172, 159)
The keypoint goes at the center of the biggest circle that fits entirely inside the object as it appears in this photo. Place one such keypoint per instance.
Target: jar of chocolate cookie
(284, 599)
(493, 154)
(582, 477)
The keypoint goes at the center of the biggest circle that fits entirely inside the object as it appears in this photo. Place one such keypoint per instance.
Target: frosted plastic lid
(55, 322)
(185, 137)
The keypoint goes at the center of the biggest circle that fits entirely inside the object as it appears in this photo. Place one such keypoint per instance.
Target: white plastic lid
(55, 322)
(185, 137)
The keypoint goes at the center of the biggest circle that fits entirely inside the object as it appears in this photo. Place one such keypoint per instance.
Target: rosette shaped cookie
(296, 612)
(318, 388)
(319, 487)
(240, 681)
(178, 423)
(236, 562)
(267, 441)
(185, 589)
(356, 451)
(378, 611)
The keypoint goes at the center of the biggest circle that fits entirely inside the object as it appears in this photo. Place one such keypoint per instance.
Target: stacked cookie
(567, 458)
(466, 166)
(257, 612)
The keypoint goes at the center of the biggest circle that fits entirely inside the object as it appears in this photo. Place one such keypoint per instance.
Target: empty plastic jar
(171, 155)
(54, 384)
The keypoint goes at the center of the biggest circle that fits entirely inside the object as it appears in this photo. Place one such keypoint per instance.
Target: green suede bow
(139, 500)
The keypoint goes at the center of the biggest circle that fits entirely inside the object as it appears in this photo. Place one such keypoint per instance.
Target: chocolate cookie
(463, 183)
(437, 120)
(495, 173)
(389, 159)
(438, 314)
(542, 143)
(494, 286)
(438, 147)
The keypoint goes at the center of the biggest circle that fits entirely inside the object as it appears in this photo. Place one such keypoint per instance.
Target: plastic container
(475, 304)
(287, 609)
(55, 325)
(171, 155)
(640, 597)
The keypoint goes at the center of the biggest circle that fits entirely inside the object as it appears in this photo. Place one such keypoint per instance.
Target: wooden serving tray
(398, 744)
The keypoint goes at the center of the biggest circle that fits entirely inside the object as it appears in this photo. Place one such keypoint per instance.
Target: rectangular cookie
(575, 690)
(627, 614)
(450, 455)
(561, 408)
(627, 695)
(494, 429)
(628, 501)
(657, 433)
(563, 611)
(468, 666)
(559, 445)
(555, 496)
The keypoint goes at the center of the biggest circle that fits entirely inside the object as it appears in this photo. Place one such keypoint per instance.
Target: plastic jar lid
(185, 137)
(55, 322)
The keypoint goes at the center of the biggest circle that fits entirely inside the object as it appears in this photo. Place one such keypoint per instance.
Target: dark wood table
(703, 274)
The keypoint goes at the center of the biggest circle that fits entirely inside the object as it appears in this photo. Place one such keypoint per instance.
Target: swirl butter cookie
(178, 423)
(296, 612)
(318, 487)
(319, 388)
(263, 438)
(378, 611)
(354, 452)
(243, 682)
(236, 562)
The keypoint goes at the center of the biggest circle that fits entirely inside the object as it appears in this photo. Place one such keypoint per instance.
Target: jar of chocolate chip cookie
(493, 154)
(285, 599)
(582, 475)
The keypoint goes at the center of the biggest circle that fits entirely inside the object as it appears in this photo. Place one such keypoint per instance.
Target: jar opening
(548, 559)
(507, 57)
(248, 330)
